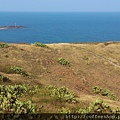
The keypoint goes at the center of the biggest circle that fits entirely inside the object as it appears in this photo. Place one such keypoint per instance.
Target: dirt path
(106, 59)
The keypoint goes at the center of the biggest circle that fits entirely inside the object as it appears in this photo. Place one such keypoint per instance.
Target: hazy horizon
(60, 11)
(60, 6)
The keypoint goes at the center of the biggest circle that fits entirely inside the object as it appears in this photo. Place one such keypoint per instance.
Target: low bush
(98, 106)
(3, 45)
(65, 110)
(40, 44)
(63, 61)
(18, 70)
(62, 93)
(104, 92)
(4, 79)
(9, 102)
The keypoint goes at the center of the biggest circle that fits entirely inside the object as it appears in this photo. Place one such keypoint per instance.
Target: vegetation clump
(65, 111)
(96, 107)
(3, 45)
(62, 93)
(40, 44)
(9, 102)
(3, 78)
(85, 58)
(63, 61)
(104, 92)
(18, 70)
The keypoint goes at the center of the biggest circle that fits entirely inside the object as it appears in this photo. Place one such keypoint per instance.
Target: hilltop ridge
(91, 65)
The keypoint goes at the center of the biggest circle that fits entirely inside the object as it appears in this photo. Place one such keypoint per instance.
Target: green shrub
(63, 61)
(9, 102)
(62, 93)
(98, 106)
(11, 108)
(65, 111)
(3, 78)
(18, 70)
(40, 44)
(104, 92)
(3, 45)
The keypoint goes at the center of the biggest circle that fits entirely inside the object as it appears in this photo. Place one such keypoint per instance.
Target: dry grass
(42, 66)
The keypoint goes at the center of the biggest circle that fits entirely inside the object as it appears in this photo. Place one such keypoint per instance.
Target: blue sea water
(60, 27)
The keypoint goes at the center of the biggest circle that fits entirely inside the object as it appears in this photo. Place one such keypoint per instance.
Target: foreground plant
(9, 102)
(96, 107)
(104, 92)
(3, 78)
(62, 93)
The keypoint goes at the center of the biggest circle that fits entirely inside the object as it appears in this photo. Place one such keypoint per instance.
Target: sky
(60, 5)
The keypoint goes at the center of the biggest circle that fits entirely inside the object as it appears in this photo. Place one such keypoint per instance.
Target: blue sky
(61, 5)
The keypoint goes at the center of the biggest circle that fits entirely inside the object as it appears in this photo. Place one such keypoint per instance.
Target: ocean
(53, 27)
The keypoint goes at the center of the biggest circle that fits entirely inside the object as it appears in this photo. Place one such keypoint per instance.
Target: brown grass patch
(42, 66)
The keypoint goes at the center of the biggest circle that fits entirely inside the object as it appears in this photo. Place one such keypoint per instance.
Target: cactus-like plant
(98, 106)
(9, 102)
(3, 45)
(18, 70)
(62, 93)
(3, 78)
(104, 92)
(63, 61)
(40, 44)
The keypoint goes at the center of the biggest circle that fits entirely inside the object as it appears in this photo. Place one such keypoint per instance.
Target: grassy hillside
(69, 76)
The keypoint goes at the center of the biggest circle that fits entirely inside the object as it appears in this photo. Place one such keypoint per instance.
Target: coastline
(67, 43)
